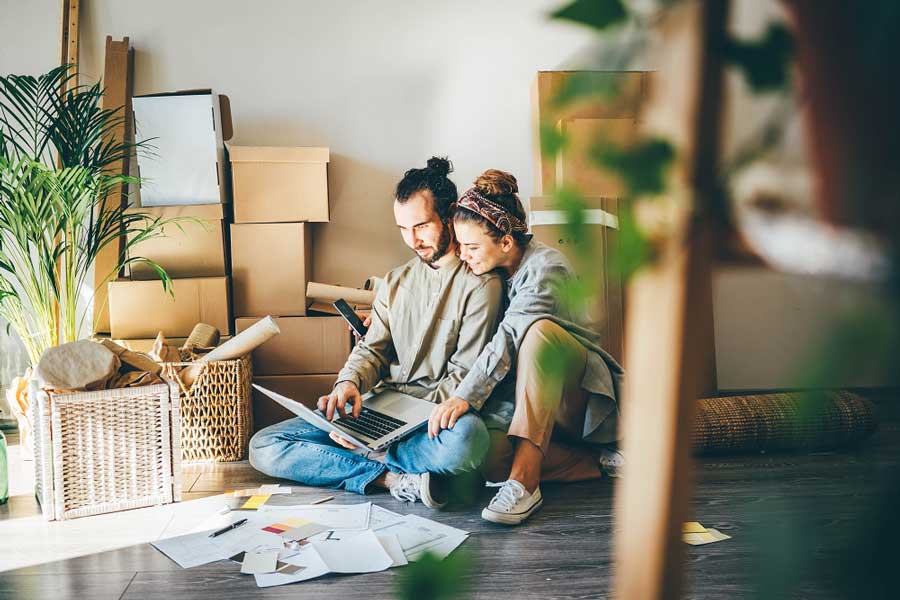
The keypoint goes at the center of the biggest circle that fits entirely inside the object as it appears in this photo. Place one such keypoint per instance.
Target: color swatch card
(295, 528)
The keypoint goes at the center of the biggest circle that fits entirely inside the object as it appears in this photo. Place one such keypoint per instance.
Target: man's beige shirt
(428, 327)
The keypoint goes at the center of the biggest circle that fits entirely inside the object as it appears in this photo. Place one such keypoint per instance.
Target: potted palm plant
(58, 154)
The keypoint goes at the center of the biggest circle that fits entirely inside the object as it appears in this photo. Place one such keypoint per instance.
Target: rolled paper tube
(330, 293)
(372, 283)
(244, 342)
(241, 344)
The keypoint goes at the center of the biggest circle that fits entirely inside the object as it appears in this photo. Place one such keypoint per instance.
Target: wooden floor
(791, 517)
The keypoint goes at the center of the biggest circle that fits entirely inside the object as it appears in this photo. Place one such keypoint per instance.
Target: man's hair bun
(440, 166)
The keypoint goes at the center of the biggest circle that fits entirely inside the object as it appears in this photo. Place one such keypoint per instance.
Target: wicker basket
(105, 451)
(216, 421)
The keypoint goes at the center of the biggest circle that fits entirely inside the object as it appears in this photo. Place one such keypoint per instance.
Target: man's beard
(443, 245)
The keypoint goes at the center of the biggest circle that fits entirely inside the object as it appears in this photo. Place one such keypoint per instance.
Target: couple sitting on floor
(438, 331)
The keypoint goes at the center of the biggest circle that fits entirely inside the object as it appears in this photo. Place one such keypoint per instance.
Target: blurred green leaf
(553, 141)
(599, 14)
(634, 249)
(436, 579)
(642, 167)
(764, 61)
(557, 362)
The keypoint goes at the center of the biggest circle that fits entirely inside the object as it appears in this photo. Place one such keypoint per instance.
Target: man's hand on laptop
(445, 414)
(343, 393)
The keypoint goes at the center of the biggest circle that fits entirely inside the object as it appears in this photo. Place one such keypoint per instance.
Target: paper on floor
(337, 516)
(197, 548)
(417, 534)
(311, 567)
(259, 562)
(265, 490)
(391, 545)
(361, 553)
(440, 549)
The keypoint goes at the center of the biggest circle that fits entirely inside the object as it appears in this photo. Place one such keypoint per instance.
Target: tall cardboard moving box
(270, 267)
(193, 246)
(141, 309)
(279, 185)
(305, 346)
(632, 88)
(601, 217)
(574, 166)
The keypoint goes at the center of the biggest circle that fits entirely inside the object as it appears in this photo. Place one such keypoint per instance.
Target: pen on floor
(322, 500)
(234, 525)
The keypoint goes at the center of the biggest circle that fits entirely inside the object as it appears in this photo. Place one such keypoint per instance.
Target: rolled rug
(814, 420)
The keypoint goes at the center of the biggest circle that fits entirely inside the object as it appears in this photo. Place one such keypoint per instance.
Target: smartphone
(351, 317)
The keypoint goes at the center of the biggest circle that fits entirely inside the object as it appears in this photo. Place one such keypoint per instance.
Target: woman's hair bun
(440, 166)
(494, 182)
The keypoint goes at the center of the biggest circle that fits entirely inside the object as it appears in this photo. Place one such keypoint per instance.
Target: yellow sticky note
(693, 527)
(707, 537)
(254, 502)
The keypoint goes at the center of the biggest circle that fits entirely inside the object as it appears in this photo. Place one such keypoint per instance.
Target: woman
(490, 225)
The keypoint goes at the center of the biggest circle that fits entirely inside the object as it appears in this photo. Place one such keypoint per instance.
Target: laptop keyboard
(371, 423)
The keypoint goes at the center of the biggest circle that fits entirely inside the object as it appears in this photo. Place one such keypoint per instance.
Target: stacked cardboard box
(185, 179)
(584, 123)
(278, 193)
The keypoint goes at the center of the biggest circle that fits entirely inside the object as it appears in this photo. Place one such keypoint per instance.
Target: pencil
(322, 500)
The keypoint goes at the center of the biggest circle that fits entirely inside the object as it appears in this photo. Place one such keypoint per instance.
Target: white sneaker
(512, 504)
(611, 462)
(410, 487)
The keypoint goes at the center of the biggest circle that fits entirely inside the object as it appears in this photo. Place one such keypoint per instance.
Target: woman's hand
(445, 414)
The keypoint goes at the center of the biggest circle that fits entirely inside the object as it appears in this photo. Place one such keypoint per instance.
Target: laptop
(386, 417)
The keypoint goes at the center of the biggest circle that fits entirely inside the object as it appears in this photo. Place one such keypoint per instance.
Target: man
(430, 319)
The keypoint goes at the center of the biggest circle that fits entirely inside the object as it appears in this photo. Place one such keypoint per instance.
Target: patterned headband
(496, 214)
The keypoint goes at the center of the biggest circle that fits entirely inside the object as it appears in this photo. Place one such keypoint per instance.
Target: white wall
(385, 85)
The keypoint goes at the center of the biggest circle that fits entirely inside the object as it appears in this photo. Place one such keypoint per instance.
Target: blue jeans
(296, 450)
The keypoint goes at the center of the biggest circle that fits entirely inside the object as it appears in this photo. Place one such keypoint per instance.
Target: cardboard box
(141, 309)
(270, 266)
(306, 345)
(574, 165)
(305, 389)
(146, 344)
(632, 86)
(188, 130)
(607, 310)
(279, 185)
(187, 248)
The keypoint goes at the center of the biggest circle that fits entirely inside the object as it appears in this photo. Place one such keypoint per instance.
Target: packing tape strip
(592, 216)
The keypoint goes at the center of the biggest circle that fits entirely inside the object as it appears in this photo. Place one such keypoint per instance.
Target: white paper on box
(183, 166)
